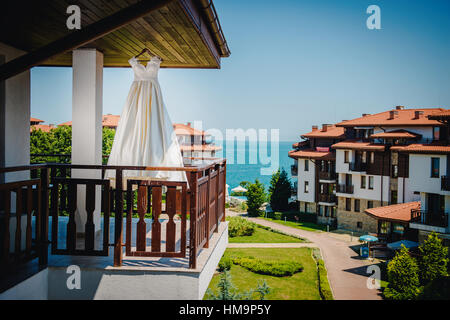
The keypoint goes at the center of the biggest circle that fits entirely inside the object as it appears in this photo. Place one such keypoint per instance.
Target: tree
(280, 191)
(403, 277)
(432, 259)
(256, 196)
(108, 139)
(227, 291)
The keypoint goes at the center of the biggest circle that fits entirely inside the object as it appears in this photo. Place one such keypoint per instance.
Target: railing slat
(71, 236)
(19, 211)
(29, 228)
(156, 211)
(89, 228)
(141, 228)
(171, 207)
(6, 237)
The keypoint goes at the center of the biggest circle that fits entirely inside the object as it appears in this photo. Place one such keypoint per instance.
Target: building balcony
(169, 234)
(343, 188)
(327, 198)
(357, 166)
(431, 219)
(294, 170)
(330, 176)
(445, 183)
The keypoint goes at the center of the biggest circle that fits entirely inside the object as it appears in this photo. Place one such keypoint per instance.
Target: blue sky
(293, 64)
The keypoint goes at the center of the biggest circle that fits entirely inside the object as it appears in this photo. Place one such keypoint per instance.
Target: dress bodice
(145, 73)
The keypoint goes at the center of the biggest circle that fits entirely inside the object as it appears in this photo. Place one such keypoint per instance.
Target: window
(399, 228)
(364, 157)
(369, 204)
(306, 186)
(394, 171)
(435, 167)
(306, 207)
(357, 205)
(372, 157)
(435, 133)
(384, 227)
(359, 225)
(333, 212)
(346, 157)
(306, 165)
(394, 199)
(371, 182)
(327, 213)
(363, 182)
(321, 211)
(348, 204)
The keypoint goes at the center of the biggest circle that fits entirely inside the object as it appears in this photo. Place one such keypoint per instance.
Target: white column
(14, 118)
(87, 109)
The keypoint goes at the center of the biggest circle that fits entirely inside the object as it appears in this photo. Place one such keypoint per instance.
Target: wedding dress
(145, 135)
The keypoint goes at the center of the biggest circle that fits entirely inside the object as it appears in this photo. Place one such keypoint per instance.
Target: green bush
(438, 289)
(324, 287)
(238, 227)
(432, 259)
(403, 277)
(268, 267)
(256, 196)
(225, 264)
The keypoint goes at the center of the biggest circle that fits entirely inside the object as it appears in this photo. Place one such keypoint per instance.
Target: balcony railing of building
(323, 175)
(327, 198)
(357, 166)
(343, 188)
(294, 170)
(198, 204)
(445, 183)
(435, 219)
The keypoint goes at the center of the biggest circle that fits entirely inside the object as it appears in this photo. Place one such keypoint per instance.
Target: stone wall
(349, 219)
(311, 207)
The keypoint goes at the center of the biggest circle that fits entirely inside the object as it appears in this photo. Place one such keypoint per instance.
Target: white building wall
(420, 173)
(341, 166)
(14, 117)
(306, 176)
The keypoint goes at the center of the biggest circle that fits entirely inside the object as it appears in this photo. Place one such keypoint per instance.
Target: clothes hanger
(146, 50)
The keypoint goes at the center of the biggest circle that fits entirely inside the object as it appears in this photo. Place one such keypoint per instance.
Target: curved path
(346, 271)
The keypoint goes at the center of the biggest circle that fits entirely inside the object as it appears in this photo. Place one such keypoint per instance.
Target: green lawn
(265, 236)
(300, 286)
(308, 226)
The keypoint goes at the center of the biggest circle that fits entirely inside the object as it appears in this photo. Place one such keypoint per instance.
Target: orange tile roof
(396, 134)
(299, 144)
(331, 132)
(439, 115)
(311, 154)
(405, 117)
(200, 147)
(396, 212)
(184, 129)
(36, 120)
(423, 148)
(359, 145)
(42, 127)
(110, 120)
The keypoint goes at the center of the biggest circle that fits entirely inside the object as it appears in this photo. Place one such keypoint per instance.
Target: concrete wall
(14, 118)
(34, 288)
(420, 173)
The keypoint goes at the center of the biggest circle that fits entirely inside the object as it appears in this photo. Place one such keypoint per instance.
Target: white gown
(145, 135)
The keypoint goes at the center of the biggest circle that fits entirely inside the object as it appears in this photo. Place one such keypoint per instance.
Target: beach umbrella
(398, 244)
(239, 189)
(368, 238)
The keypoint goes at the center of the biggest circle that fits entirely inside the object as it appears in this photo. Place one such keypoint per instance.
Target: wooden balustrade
(198, 203)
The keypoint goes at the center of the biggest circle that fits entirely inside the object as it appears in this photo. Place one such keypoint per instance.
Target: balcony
(130, 225)
(445, 183)
(330, 176)
(343, 188)
(433, 219)
(357, 166)
(327, 198)
(294, 170)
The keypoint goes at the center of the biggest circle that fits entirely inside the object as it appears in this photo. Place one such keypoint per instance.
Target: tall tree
(432, 259)
(256, 196)
(280, 191)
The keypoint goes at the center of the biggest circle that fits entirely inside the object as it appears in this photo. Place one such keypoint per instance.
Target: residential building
(36, 124)
(314, 172)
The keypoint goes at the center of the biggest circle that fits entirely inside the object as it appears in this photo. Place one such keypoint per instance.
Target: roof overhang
(184, 33)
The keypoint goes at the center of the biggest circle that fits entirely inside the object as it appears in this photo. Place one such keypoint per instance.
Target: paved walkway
(346, 271)
(272, 245)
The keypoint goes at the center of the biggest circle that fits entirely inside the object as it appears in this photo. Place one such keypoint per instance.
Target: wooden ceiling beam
(80, 37)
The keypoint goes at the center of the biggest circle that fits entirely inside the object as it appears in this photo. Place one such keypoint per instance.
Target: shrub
(225, 264)
(324, 286)
(432, 259)
(403, 277)
(238, 227)
(438, 289)
(227, 291)
(268, 267)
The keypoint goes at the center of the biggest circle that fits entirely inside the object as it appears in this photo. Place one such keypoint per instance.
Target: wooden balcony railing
(445, 183)
(328, 198)
(343, 188)
(435, 219)
(323, 175)
(198, 203)
(357, 166)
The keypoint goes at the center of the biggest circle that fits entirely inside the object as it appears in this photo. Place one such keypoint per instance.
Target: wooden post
(193, 221)
(224, 187)
(118, 232)
(207, 217)
(43, 254)
(217, 168)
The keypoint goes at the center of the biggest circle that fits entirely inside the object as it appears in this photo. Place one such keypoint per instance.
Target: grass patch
(308, 226)
(262, 235)
(300, 286)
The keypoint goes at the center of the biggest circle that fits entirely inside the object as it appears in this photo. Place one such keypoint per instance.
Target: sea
(246, 162)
